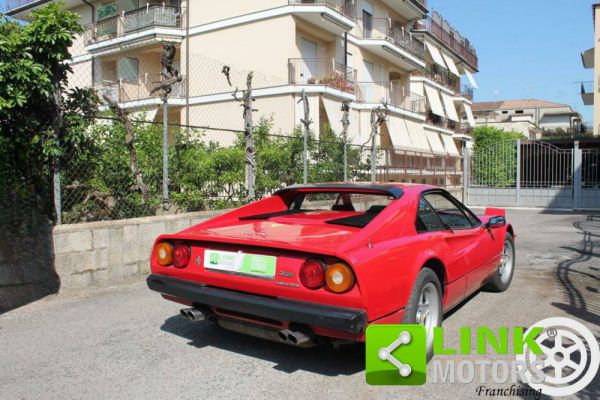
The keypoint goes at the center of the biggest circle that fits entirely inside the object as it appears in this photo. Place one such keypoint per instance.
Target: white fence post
(577, 165)
(518, 171)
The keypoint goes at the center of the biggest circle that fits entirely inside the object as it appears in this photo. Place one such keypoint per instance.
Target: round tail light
(312, 274)
(164, 253)
(339, 278)
(181, 256)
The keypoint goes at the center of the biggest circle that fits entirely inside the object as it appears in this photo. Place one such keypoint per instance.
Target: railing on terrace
(467, 92)
(441, 76)
(345, 7)
(587, 87)
(449, 37)
(391, 93)
(383, 28)
(122, 24)
(139, 88)
(318, 71)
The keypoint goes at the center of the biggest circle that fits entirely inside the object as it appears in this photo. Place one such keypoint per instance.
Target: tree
(495, 156)
(41, 119)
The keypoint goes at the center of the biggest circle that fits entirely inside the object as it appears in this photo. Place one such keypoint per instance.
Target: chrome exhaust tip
(193, 314)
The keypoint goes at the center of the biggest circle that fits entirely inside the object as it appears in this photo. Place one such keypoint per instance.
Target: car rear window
(340, 201)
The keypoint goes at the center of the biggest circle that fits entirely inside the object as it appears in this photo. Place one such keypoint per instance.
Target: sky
(526, 48)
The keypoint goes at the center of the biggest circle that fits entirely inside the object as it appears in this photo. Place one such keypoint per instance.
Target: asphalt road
(128, 343)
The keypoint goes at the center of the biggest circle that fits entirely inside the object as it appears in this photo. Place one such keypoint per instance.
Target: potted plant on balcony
(312, 80)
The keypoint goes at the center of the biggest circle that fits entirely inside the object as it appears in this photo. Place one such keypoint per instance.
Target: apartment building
(531, 117)
(590, 91)
(363, 51)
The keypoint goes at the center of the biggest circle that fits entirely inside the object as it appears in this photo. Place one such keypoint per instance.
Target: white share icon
(385, 353)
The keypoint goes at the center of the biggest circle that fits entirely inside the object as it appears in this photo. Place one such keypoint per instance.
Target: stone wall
(112, 252)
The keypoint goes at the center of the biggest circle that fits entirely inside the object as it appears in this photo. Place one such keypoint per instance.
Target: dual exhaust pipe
(193, 314)
(295, 338)
(299, 338)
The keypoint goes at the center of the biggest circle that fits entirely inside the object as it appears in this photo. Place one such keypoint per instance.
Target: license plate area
(240, 263)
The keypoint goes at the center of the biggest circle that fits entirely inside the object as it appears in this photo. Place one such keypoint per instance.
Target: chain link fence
(206, 124)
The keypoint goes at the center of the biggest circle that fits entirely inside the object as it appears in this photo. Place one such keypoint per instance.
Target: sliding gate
(519, 173)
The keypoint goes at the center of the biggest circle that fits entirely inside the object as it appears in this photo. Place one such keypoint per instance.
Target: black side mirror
(495, 222)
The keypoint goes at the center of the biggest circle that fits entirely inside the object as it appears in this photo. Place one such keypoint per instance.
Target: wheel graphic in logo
(570, 358)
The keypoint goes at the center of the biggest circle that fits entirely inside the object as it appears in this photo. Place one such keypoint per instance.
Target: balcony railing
(146, 17)
(587, 87)
(450, 37)
(440, 76)
(318, 71)
(345, 7)
(466, 91)
(139, 88)
(383, 28)
(391, 93)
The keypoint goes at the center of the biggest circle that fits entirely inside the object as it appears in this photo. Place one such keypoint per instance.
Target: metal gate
(530, 173)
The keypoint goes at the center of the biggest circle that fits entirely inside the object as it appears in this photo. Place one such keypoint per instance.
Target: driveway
(128, 343)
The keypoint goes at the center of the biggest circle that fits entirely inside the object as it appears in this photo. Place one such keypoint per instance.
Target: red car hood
(305, 232)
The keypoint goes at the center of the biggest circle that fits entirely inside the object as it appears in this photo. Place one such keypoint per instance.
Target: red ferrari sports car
(323, 261)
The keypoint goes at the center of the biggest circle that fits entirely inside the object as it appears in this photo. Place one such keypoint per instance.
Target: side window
(427, 220)
(449, 213)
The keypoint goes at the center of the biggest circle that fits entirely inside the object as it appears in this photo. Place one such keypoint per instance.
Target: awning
(399, 133)
(417, 136)
(435, 142)
(433, 97)
(471, 78)
(436, 55)
(450, 146)
(334, 114)
(450, 63)
(450, 108)
(470, 117)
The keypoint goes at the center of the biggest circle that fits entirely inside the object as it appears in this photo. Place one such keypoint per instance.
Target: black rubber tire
(495, 283)
(425, 276)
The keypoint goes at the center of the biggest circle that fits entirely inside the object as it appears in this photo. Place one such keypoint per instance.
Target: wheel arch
(437, 266)
(510, 230)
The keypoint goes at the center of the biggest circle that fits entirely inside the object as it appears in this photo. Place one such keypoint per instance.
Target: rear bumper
(336, 318)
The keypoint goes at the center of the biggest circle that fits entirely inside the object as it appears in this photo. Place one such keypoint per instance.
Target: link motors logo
(570, 358)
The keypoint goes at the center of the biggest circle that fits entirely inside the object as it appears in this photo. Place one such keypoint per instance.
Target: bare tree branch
(129, 140)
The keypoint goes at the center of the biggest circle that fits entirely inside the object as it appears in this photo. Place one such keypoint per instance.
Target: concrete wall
(112, 252)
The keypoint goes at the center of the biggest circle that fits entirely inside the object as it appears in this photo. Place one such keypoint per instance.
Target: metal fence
(532, 173)
(206, 163)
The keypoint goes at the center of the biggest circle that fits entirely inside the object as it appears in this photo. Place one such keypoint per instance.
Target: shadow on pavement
(579, 275)
(323, 359)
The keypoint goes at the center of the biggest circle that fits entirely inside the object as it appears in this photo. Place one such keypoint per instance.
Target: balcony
(133, 22)
(466, 92)
(441, 30)
(587, 93)
(441, 77)
(391, 93)
(409, 9)
(13, 7)
(392, 42)
(316, 71)
(335, 16)
(138, 90)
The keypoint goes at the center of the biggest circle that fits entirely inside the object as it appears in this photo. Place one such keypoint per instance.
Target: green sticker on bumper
(251, 264)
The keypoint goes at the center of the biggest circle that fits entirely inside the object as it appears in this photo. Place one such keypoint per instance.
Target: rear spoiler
(392, 191)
